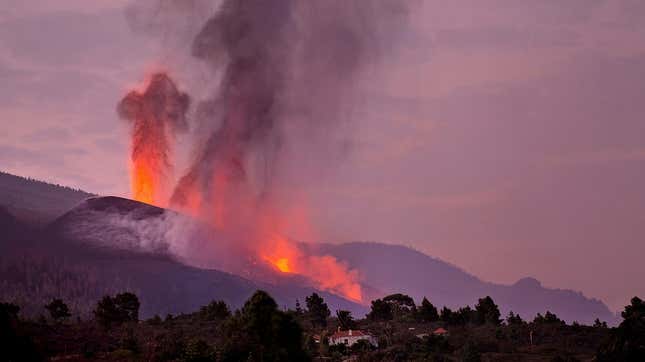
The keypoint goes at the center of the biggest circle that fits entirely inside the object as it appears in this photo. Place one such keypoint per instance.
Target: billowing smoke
(286, 64)
(284, 75)
(156, 115)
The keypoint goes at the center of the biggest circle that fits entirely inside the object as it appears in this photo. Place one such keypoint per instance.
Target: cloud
(51, 134)
(598, 157)
(14, 156)
(505, 38)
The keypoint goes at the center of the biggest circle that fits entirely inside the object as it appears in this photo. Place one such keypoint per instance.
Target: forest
(262, 331)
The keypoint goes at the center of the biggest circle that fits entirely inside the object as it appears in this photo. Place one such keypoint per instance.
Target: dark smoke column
(284, 63)
(156, 116)
(248, 39)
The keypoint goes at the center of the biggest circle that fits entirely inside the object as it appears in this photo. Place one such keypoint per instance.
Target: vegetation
(58, 310)
(317, 310)
(116, 310)
(260, 331)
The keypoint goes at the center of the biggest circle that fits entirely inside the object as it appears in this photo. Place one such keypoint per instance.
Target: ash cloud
(288, 70)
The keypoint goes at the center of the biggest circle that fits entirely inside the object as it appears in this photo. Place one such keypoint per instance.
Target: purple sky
(506, 137)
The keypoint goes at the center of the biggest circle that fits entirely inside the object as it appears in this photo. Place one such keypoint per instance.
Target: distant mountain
(394, 269)
(36, 201)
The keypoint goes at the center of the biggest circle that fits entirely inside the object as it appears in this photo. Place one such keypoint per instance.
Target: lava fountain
(156, 115)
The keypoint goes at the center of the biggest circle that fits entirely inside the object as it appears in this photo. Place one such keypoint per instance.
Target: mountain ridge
(417, 273)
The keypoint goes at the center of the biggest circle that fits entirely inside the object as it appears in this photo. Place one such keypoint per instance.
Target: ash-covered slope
(115, 223)
(420, 275)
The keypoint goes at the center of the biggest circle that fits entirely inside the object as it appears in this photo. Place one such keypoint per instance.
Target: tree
(447, 315)
(401, 305)
(15, 346)
(628, 340)
(598, 324)
(8, 315)
(460, 317)
(514, 319)
(299, 310)
(345, 319)
(427, 312)
(464, 315)
(122, 308)
(381, 311)
(317, 310)
(259, 331)
(58, 310)
(470, 353)
(128, 305)
(486, 311)
(106, 313)
(548, 318)
(197, 350)
(214, 311)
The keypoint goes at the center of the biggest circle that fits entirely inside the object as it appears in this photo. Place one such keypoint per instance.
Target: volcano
(109, 244)
(133, 243)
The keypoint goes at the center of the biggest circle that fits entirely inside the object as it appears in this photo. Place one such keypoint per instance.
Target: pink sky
(506, 137)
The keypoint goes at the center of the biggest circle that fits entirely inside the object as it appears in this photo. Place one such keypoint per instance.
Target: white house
(350, 337)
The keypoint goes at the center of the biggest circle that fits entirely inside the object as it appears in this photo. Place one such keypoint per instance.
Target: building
(350, 337)
(441, 332)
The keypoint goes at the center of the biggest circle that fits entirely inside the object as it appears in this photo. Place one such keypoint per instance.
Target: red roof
(349, 333)
(440, 331)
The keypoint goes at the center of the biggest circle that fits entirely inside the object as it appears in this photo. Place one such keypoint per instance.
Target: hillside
(420, 275)
(36, 201)
(107, 244)
(37, 265)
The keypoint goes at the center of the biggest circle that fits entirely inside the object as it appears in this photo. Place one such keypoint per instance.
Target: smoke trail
(156, 116)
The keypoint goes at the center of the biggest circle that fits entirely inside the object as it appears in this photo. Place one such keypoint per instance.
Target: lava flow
(325, 270)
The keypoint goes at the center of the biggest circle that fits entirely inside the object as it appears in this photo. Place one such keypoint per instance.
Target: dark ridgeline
(36, 201)
(420, 275)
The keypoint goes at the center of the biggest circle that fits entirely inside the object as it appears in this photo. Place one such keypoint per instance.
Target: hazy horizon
(503, 137)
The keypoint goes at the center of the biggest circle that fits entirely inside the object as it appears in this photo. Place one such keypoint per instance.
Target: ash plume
(156, 115)
(287, 65)
(283, 77)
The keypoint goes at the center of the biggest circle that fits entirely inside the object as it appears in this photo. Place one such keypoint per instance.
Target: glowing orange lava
(327, 272)
(144, 187)
(283, 265)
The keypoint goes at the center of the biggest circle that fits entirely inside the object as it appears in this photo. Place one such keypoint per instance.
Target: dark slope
(36, 201)
(420, 275)
(98, 248)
